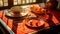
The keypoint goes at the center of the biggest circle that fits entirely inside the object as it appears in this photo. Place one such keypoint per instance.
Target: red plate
(34, 23)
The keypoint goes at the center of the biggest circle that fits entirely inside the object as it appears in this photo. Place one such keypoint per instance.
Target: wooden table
(17, 26)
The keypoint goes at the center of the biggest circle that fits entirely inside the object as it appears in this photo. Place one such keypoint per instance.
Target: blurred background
(9, 3)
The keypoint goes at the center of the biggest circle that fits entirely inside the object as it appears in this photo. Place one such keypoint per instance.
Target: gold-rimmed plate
(10, 14)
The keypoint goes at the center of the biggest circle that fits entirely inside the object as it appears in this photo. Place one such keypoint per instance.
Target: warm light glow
(23, 2)
(34, 0)
(19, 1)
(5, 4)
(47, 0)
(5, 1)
(31, 1)
(27, 1)
(1, 3)
(16, 2)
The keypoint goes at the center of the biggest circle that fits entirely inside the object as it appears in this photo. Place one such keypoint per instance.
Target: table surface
(18, 26)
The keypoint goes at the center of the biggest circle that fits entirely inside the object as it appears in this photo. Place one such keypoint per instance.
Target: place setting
(34, 15)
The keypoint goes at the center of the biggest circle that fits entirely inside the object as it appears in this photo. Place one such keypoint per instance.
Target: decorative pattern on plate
(34, 23)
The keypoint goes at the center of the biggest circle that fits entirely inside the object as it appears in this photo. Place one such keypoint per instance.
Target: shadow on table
(15, 22)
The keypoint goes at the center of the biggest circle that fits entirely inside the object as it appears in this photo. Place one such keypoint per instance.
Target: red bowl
(15, 12)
